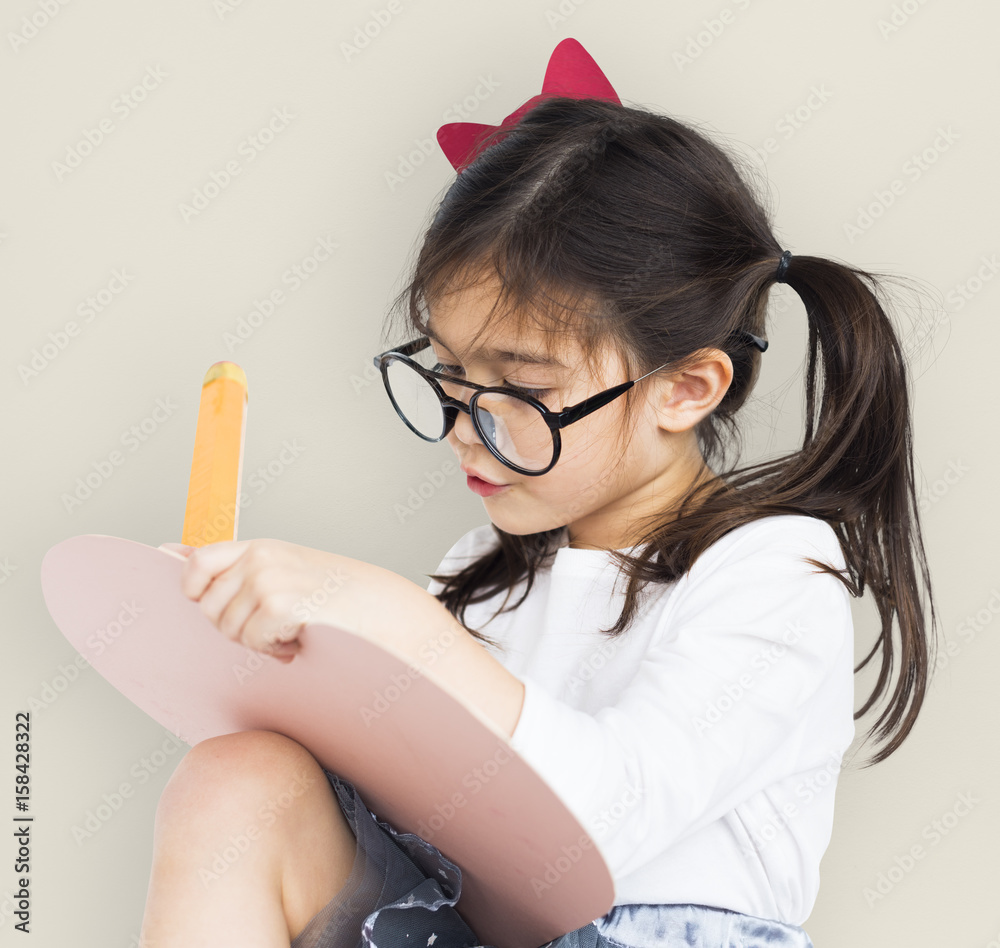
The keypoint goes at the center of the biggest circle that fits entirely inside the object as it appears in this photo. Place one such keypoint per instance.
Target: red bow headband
(571, 72)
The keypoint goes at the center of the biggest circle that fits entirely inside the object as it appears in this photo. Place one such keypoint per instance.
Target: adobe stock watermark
(293, 278)
(965, 291)
(98, 642)
(913, 169)
(635, 278)
(248, 149)
(593, 663)
(399, 684)
(899, 16)
(734, 692)
(930, 494)
(967, 631)
(304, 610)
(268, 814)
(407, 164)
(103, 469)
(933, 832)
(806, 790)
(10, 904)
(586, 499)
(696, 43)
(370, 29)
(101, 640)
(557, 185)
(56, 686)
(560, 13)
(572, 854)
(7, 569)
(122, 106)
(922, 333)
(45, 11)
(224, 8)
(97, 817)
(369, 374)
(473, 781)
(260, 479)
(794, 120)
(417, 496)
(88, 310)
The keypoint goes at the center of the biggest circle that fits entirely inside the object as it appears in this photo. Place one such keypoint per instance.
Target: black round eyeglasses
(518, 429)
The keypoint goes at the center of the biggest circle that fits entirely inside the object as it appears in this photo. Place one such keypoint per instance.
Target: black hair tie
(779, 276)
(744, 337)
(748, 336)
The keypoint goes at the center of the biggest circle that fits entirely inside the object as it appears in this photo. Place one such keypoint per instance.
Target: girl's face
(601, 483)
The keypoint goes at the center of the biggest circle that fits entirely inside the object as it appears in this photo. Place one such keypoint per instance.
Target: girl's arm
(411, 622)
(262, 592)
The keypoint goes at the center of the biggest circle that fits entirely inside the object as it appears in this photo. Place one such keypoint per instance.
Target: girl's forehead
(472, 325)
(508, 349)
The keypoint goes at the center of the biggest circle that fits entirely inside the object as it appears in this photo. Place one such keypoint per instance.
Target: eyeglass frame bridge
(555, 420)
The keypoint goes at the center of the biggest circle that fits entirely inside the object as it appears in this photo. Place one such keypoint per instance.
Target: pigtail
(855, 471)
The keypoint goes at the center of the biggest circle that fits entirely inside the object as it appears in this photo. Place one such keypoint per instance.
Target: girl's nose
(464, 430)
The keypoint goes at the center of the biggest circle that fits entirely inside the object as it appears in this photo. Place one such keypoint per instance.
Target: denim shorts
(402, 892)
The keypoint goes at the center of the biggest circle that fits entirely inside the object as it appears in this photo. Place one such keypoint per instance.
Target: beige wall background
(853, 97)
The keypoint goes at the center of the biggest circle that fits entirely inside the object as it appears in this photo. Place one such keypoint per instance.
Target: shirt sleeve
(713, 713)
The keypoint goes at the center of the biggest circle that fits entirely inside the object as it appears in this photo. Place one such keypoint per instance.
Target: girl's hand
(181, 548)
(261, 592)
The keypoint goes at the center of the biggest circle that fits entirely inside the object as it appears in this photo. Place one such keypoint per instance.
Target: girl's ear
(684, 399)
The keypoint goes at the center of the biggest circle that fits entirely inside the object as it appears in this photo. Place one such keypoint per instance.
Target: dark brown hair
(632, 230)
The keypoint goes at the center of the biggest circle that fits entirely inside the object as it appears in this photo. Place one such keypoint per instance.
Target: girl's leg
(249, 843)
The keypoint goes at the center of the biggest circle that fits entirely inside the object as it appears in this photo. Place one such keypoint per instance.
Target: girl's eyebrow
(490, 354)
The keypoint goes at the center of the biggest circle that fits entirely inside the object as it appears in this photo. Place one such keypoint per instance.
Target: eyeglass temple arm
(576, 412)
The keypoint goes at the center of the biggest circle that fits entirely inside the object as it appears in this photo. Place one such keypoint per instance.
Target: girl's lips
(479, 477)
(484, 488)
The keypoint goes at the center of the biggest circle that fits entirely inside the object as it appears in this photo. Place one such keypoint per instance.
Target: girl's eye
(533, 392)
(456, 370)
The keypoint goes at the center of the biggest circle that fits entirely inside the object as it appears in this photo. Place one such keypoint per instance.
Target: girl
(666, 640)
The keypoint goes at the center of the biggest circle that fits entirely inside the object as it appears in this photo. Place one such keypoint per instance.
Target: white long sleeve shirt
(700, 748)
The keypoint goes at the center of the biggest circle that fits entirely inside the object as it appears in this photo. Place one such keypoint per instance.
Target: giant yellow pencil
(212, 512)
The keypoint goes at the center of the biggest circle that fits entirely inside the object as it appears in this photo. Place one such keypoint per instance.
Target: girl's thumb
(181, 548)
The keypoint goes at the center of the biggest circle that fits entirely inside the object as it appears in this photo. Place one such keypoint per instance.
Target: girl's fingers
(227, 603)
(206, 562)
(181, 548)
(283, 651)
(227, 588)
(263, 632)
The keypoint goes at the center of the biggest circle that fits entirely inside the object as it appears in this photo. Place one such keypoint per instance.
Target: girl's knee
(247, 774)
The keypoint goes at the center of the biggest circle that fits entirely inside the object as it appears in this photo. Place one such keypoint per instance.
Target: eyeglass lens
(513, 426)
